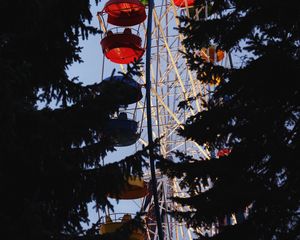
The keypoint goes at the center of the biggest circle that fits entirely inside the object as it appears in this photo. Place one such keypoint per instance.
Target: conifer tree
(51, 157)
(252, 191)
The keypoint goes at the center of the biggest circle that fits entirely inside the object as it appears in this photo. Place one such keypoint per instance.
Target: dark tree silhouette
(50, 157)
(253, 114)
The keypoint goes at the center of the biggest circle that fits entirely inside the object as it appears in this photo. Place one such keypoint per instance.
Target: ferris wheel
(124, 40)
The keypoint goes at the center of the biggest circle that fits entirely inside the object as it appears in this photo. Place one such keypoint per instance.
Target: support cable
(149, 120)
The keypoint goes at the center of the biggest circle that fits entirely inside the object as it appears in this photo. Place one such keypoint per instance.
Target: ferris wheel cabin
(211, 54)
(223, 152)
(184, 3)
(134, 188)
(123, 131)
(122, 48)
(111, 226)
(125, 12)
(124, 90)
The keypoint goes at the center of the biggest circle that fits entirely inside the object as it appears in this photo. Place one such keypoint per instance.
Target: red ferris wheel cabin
(122, 48)
(125, 12)
(184, 3)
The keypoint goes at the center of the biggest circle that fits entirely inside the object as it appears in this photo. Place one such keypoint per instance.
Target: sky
(90, 70)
